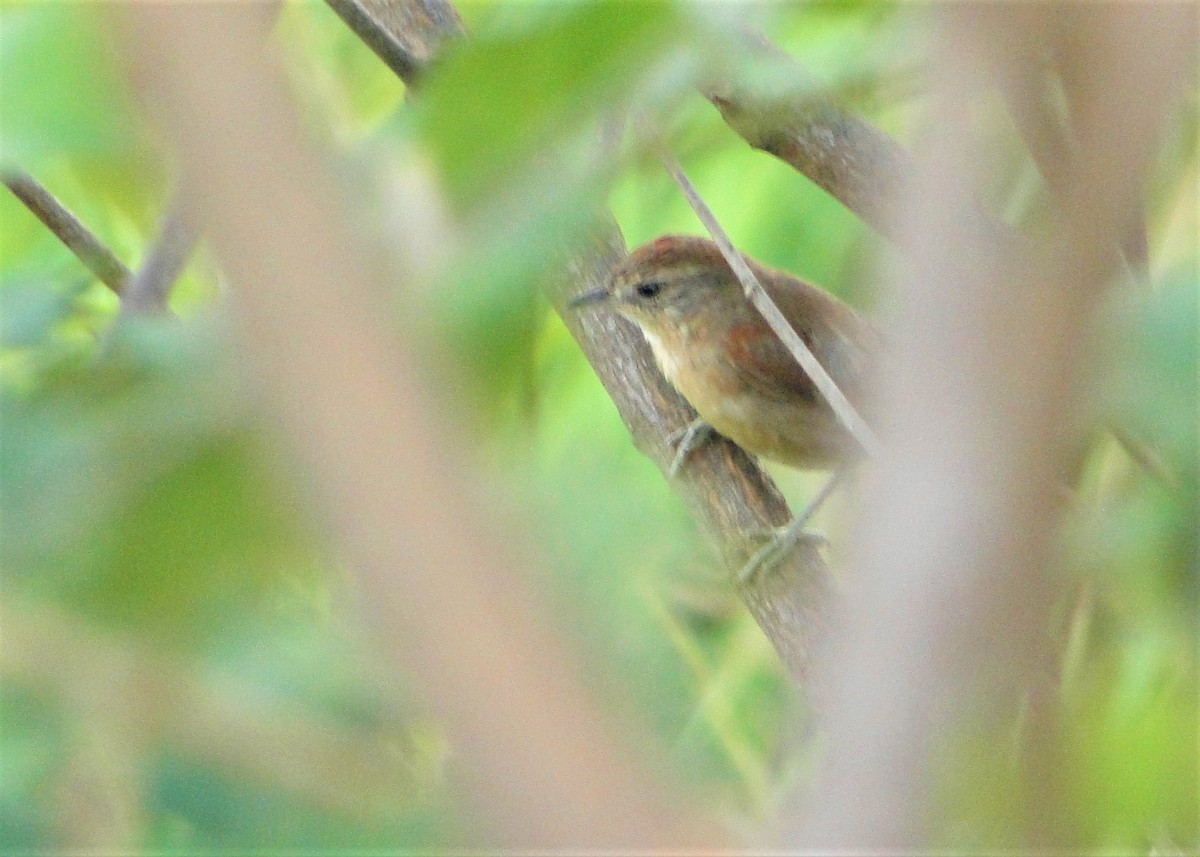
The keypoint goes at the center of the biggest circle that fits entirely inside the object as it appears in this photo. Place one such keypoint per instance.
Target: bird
(718, 351)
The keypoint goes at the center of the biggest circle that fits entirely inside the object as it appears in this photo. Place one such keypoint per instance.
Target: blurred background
(184, 662)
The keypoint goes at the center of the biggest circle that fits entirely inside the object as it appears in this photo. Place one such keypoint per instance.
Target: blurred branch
(66, 227)
(984, 400)
(152, 698)
(449, 593)
(1046, 127)
(731, 498)
(405, 34)
(148, 291)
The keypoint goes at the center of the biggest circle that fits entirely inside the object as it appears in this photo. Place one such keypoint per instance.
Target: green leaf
(139, 490)
(61, 86)
(502, 98)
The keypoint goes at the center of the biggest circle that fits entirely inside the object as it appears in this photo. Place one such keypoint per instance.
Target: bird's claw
(782, 539)
(780, 542)
(686, 440)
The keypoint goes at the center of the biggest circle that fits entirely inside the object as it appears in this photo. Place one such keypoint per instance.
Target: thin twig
(68, 229)
(758, 296)
(148, 291)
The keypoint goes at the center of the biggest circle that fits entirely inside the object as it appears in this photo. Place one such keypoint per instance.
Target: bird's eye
(649, 289)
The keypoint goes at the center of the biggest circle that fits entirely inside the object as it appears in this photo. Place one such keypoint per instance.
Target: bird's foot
(782, 539)
(686, 440)
(779, 543)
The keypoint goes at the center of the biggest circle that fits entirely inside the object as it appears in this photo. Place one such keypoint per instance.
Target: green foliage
(145, 500)
(131, 489)
(33, 744)
(515, 94)
(62, 92)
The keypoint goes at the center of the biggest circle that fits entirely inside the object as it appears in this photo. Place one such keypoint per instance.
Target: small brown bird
(719, 352)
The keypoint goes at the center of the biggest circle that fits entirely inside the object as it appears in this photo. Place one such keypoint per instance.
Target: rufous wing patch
(763, 362)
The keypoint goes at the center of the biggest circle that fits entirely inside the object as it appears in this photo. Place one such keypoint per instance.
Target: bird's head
(669, 283)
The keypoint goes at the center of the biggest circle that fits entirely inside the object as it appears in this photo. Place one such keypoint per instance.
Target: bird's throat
(665, 355)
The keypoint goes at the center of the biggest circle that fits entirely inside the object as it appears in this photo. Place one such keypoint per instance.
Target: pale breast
(801, 434)
(665, 358)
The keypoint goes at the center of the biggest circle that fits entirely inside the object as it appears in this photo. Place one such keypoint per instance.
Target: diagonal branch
(405, 35)
(841, 152)
(855, 162)
(68, 229)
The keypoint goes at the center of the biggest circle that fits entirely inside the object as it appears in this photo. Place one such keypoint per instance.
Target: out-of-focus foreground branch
(982, 409)
(731, 498)
(452, 600)
(150, 289)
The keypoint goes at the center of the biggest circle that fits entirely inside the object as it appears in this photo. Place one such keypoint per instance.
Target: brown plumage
(715, 348)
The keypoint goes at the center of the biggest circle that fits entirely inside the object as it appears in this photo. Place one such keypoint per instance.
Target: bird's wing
(844, 342)
(764, 365)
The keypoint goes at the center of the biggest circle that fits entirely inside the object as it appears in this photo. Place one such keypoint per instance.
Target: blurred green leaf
(32, 743)
(31, 307)
(138, 489)
(1129, 768)
(1157, 392)
(505, 98)
(197, 809)
(63, 89)
(1152, 391)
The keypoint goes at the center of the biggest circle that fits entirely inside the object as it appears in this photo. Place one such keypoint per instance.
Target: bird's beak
(591, 296)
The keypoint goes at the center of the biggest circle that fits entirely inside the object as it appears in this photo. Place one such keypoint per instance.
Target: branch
(842, 153)
(405, 35)
(729, 496)
(148, 292)
(66, 227)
